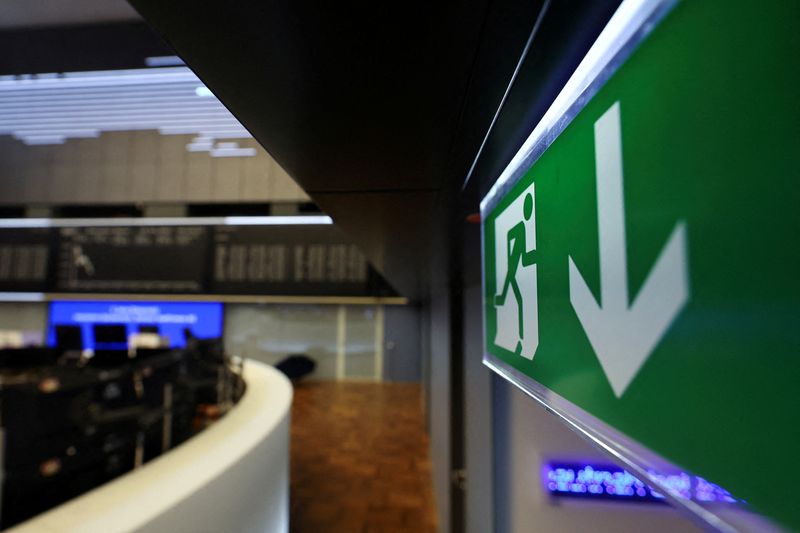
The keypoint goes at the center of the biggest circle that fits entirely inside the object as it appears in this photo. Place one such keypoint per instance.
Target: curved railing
(234, 476)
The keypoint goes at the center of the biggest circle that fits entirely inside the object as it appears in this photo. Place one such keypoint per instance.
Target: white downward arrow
(622, 336)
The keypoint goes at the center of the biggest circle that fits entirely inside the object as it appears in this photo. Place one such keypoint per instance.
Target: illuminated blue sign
(168, 319)
(607, 482)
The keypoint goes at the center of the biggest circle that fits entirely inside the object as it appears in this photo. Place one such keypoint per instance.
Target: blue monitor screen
(168, 319)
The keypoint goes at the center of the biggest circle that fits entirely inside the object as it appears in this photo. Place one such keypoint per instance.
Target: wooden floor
(360, 459)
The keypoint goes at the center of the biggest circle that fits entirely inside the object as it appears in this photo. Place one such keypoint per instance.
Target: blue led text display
(598, 481)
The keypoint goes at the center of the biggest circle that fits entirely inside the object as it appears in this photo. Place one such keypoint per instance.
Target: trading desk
(234, 476)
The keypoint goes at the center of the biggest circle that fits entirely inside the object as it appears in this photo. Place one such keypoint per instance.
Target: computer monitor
(110, 333)
(67, 337)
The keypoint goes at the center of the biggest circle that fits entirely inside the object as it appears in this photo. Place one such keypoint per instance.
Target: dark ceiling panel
(568, 30)
(38, 13)
(406, 217)
(378, 111)
(344, 99)
(110, 46)
(391, 97)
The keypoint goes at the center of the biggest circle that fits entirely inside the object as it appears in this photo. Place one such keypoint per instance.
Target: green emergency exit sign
(646, 266)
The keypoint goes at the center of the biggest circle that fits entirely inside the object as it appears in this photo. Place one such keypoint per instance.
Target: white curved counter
(234, 476)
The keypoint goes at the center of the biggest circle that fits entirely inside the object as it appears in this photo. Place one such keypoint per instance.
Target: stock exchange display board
(24, 259)
(282, 260)
(126, 259)
(287, 260)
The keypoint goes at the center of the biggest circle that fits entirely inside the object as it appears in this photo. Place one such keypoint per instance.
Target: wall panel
(137, 167)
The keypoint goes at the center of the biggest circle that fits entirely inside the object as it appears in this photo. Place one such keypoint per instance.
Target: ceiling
(363, 107)
(39, 13)
(378, 111)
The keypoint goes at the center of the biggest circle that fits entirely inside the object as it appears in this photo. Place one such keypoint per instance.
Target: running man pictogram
(517, 253)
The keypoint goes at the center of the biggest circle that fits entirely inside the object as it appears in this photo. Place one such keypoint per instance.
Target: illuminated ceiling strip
(115, 125)
(112, 115)
(115, 102)
(45, 140)
(173, 86)
(309, 220)
(22, 297)
(174, 107)
(126, 72)
(40, 137)
(233, 152)
(199, 146)
(300, 220)
(65, 83)
(52, 109)
(102, 79)
(227, 298)
(163, 61)
(227, 129)
(140, 94)
(173, 130)
(227, 134)
(207, 129)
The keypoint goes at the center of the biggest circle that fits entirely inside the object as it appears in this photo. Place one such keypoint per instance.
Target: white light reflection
(298, 220)
(623, 24)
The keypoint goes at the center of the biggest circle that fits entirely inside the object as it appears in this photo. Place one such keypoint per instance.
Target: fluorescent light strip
(179, 129)
(107, 111)
(44, 140)
(199, 147)
(130, 118)
(52, 109)
(308, 220)
(83, 132)
(177, 103)
(32, 129)
(139, 113)
(78, 133)
(187, 87)
(111, 77)
(202, 128)
(126, 72)
(301, 220)
(121, 81)
(625, 22)
(163, 61)
(111, 103)
(112, 93)
(204, 116)
(60, 100)
(229, 134)
(22, 297)
(233, 152)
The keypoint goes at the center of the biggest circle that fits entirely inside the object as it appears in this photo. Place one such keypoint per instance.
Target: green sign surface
(646, 267)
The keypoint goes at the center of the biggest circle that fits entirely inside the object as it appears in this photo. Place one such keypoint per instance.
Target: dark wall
(107, 46)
